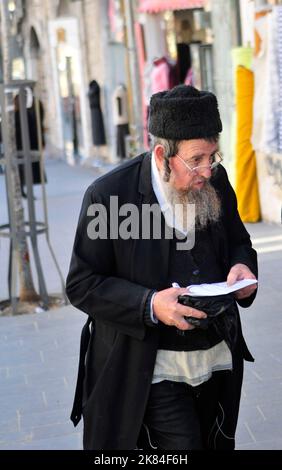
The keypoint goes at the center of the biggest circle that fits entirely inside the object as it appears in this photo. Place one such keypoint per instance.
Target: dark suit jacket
(110, 280)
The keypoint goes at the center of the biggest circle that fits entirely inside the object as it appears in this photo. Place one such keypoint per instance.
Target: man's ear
(159, 154)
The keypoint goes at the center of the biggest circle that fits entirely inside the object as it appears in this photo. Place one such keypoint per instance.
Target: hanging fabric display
(261, 27)
(97, 123)
(160, 75)
(240, 56)
(245, 163)
(272, 128)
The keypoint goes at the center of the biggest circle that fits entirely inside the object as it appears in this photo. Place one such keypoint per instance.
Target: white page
(218, 288)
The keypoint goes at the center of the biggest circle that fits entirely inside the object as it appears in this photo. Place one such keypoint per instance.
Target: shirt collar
(165, 205)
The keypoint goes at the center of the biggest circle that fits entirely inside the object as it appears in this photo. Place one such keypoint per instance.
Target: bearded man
(148, 378)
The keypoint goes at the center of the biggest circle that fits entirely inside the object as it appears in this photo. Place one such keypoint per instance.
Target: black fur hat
(184, 113)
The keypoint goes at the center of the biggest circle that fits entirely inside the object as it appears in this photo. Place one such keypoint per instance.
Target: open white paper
(218, 288)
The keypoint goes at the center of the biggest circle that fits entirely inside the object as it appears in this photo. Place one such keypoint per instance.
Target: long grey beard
(205, 209)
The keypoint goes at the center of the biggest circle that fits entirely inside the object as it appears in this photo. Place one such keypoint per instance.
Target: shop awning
(155, 6)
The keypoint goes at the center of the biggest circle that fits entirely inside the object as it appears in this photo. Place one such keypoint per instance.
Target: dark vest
(195, 266)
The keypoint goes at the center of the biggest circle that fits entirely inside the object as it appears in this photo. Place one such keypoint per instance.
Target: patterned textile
(272, 129)
(278, 14)
(259, 68)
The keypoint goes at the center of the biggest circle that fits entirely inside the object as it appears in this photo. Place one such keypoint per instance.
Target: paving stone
(31, 401)
(68, 442)
(44, 417)
(261, 445)
(8, 384)
(10, 426)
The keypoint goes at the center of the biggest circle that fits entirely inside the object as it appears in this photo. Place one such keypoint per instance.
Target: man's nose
(206, 171)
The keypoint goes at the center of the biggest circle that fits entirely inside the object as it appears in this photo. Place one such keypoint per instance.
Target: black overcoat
(110, 279)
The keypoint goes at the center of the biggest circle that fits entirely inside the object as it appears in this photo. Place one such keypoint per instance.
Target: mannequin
(98, 131)
(120, 118)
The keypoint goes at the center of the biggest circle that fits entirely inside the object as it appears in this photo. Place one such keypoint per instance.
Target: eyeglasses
(217, 159)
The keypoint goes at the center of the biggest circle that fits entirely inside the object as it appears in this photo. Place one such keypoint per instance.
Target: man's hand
(237, 273)
(167, 309)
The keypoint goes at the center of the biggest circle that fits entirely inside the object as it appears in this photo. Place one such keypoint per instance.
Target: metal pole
(12, 276)
(134, 71)
(238, 22)
(29, 187)
(25, 157)
(44, 198)
(72, 101)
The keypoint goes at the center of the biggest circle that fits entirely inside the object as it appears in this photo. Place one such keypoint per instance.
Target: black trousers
(181, 417)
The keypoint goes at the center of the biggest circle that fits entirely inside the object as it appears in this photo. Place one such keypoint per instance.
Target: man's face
(189, 185)
(197, 152)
